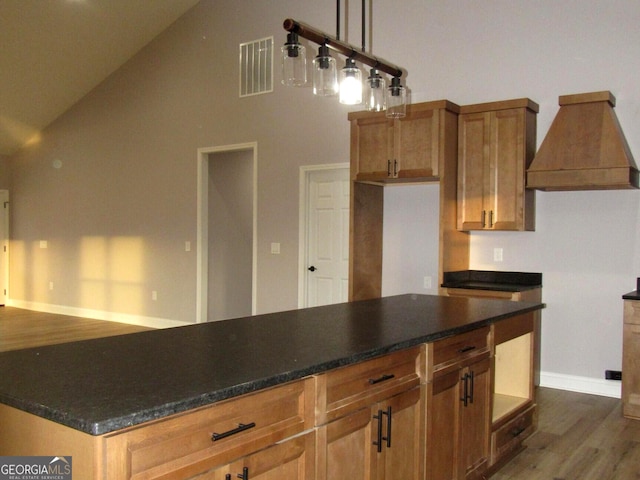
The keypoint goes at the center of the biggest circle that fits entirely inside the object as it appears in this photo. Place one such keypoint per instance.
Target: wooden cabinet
(375, 418)
(631, 360)
(458, 398)
(425, 145)
(406, 148)
(496, 145)
(221, 439)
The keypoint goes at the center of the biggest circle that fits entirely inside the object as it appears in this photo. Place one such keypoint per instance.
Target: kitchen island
(102, 393)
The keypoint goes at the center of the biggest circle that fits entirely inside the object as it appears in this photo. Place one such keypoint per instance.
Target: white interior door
(325, 265)
(4, 245)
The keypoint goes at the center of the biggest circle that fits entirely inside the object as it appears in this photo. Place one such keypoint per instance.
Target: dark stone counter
(492, 280)
(102, 385)
(635, 295)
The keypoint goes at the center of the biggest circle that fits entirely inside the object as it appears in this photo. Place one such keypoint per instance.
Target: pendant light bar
(343, 48)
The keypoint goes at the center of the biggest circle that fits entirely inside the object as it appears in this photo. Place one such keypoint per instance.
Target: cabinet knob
(312, 268)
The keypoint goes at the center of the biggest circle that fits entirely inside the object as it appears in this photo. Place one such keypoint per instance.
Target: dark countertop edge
(497, 287)
(118, 423)
(492, 280)
(635, 295)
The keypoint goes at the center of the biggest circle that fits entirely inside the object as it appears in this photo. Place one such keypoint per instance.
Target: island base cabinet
(384, 441)
(458, 423)
(631, 360)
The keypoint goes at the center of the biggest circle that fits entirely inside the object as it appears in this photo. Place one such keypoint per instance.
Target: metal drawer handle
(467, 349)
(383, 378)
(241, 428)
(516, 431)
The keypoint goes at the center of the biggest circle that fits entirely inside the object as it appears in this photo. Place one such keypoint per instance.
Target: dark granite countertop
(635, 295)
(492, 280)
(102, 385)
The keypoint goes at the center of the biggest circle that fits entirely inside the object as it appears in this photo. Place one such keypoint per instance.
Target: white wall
(129, 151)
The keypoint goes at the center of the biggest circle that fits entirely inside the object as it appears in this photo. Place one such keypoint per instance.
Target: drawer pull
(245, 474)
(241, 428)
(380, 437)
(516, 431)
(383, 378)
(467, 349)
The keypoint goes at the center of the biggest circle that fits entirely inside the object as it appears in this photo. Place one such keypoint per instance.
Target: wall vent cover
(256, 67)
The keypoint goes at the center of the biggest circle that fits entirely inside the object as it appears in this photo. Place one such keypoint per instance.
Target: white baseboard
(572, 383)
(151, 322)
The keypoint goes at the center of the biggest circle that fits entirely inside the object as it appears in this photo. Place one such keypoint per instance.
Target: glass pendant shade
(350, 84)
(325, 75)
(396, 99)
(375, 92)
(294, 62)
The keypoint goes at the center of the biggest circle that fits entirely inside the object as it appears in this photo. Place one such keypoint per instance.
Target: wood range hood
(585, 148)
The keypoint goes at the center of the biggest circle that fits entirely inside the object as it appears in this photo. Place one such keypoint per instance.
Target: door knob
(312, 268)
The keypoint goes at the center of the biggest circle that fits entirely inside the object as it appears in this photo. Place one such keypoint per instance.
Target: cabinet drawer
(458, 347)
(632, 312)
(508, 438)
(187, 444)
(347, 389)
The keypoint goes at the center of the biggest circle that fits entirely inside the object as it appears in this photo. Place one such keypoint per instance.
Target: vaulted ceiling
(53, 52)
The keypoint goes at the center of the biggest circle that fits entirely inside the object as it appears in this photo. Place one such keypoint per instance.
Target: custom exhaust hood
(585, 148)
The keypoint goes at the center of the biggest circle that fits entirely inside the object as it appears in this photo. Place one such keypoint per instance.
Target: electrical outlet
(497, 254)
(427, 283)
(187, 246)
(275, 248)
(154, 295)
(613, 375)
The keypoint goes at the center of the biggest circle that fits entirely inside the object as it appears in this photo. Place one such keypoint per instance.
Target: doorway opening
(324, 235)
(227, 232)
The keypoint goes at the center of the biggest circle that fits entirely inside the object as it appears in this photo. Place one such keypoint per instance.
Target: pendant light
(375, 92)
(350, 83)
(325, 75)
(294, 62)
(396, 99)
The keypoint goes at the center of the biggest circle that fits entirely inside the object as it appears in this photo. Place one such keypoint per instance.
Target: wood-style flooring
(579, 436)
(21, 328)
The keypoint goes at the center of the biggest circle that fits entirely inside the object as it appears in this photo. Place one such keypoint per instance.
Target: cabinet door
(442, 426)
(473, 161)
(403, 456)
(372, 147)
(345, 448)
(631, 367)
(416, 142)
(475, 418)
(507, 170)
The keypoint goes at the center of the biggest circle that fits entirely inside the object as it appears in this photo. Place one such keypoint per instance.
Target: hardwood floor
(24, 328)
(579, 436)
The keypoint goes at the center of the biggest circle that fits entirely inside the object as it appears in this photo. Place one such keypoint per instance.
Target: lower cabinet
(458, 421)
(384, 441)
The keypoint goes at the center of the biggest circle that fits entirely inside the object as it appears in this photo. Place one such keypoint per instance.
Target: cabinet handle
(466, 349)
(490, 218)
(484, 214)
(388, 437)
(245, 474)
(383, 378)
(378, 441)
(465, 393)
(380, 438)
(471, 377)
(388, 168)
(395, 168)
(241, 428)
(517, 431)
(227, 476)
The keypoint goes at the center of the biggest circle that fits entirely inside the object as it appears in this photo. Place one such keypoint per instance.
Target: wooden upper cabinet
(385, 149)
(496, 144)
